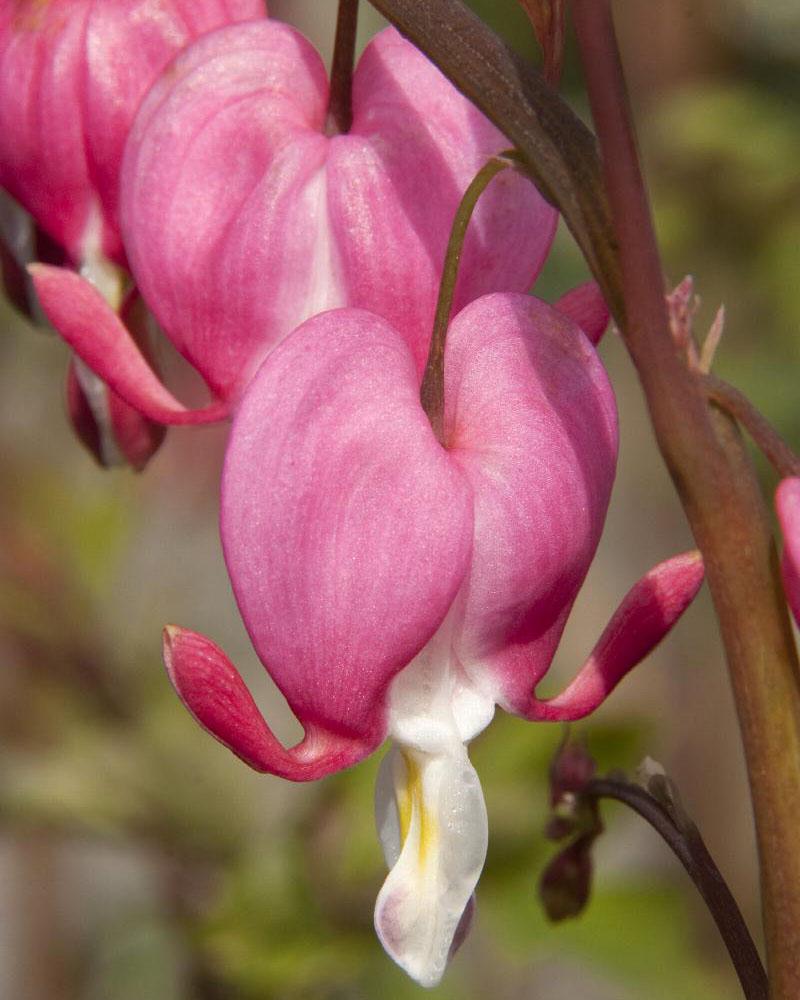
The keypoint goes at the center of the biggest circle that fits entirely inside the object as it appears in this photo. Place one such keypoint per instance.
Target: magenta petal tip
(586, 307)
(787, 504)
(98, 336)
(647, 613)
(213, 691)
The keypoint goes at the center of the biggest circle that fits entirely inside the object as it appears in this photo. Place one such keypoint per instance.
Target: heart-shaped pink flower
(393, 585)
(72, 76)
(243, 215)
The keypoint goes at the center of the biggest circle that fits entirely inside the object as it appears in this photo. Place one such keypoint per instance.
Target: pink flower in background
(72, 76)
(394, 586)
(787, 504)
(243, 216)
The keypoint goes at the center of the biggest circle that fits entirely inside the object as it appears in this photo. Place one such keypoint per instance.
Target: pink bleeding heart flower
(243, 215)
(787, 504)
(395, 586)
(72, 76)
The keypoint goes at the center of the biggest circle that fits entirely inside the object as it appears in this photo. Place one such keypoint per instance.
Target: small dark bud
(566, 882)
(571, 769)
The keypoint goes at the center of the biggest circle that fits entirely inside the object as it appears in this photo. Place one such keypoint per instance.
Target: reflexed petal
(432, 824)
(787, 504)
(210, 687)
(99, 337)
(647, 613)
(530, 417)
(346, 529)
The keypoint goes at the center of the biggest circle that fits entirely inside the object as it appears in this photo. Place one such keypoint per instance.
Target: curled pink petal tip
(787, 504)
(99, 337)
(213, 691)
(586, 306)
(647, 613)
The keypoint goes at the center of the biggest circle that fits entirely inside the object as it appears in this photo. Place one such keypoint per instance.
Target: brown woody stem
(432, 390)
(706, 458)
(340, 103)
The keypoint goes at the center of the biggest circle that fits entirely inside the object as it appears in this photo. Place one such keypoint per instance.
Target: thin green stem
(340, 103)
(432, 390)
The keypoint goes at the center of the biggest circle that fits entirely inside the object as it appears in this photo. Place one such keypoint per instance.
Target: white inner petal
(433, 702)
(429, 810)
(17, 230)
(106, 277)
(432, 822)
(325, 290)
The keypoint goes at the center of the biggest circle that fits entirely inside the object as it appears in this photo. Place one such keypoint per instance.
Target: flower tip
(787, 505)
(646, 615)
(169, 634)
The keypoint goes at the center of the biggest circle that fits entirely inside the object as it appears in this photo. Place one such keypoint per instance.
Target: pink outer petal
(586, 306)
(42, 155)
(787, 504)
(72, 75)
(219, 228)
(396, 181)
(647, 613)
(345, 526)
(242, 218)
(210, 687)
(149, 34)
(530, 418)
(97, 335)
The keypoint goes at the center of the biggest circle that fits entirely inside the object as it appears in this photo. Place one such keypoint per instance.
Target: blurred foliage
(256, 892)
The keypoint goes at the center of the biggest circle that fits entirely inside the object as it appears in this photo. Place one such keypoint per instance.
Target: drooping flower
(243, 216)
(787, 504)
(397, 586)
(72, 76)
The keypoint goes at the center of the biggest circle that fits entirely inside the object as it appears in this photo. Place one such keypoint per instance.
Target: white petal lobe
(433, 829)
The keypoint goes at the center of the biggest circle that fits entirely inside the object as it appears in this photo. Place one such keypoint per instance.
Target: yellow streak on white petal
(411, 804)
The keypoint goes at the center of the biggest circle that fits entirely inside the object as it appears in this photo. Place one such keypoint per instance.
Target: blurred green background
(140, 859)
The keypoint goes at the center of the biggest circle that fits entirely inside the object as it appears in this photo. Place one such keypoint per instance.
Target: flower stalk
(340, 104)
(705, 455)
(734, 402)
(432, 389)
(575, 796)
(685, 841)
